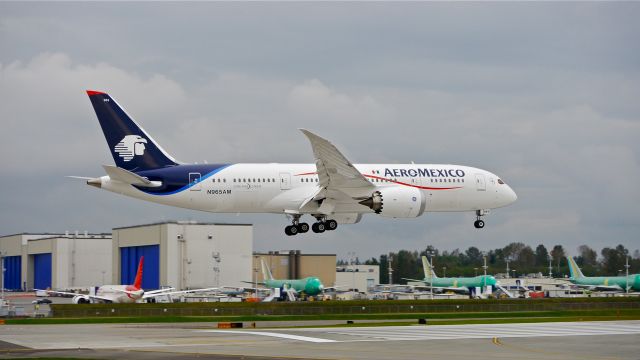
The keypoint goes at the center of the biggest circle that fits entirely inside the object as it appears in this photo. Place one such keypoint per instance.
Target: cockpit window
(500, 182)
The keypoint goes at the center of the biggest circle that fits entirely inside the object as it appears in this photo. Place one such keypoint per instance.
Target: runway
(588, 340)
(446, 332)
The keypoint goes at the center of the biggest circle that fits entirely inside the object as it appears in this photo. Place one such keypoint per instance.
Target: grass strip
(627, 314)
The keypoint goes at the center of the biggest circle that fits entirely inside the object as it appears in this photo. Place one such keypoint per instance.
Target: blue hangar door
(42, 271)
(129, 259)
(13, 272)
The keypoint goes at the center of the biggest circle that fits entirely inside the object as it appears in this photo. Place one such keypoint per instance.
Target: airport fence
(216, 309)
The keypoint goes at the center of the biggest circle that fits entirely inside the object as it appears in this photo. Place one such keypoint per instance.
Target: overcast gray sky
(547, 95)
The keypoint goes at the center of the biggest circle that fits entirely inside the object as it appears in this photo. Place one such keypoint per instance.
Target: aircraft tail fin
(428, 271)
(138, 282)
(131, 147)
(266, 273)
(574, 269)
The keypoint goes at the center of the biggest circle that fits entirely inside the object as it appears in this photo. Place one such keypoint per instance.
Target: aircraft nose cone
(512, 196)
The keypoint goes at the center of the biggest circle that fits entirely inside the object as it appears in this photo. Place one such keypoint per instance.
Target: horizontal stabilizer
(127, 177)
(79, 177)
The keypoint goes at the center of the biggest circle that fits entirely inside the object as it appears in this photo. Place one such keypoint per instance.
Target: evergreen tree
(558, 254)
(542, 256)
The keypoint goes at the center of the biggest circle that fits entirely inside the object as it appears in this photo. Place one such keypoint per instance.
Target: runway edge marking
(272, 334)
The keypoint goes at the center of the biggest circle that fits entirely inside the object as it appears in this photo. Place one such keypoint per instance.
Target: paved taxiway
(586, 340)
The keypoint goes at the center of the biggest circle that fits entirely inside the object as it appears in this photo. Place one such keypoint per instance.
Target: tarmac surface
(570, 340)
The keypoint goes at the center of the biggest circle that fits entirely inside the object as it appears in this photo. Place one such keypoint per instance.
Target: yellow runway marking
(496, 341)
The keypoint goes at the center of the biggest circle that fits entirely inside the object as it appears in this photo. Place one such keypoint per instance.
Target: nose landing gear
(479, 223)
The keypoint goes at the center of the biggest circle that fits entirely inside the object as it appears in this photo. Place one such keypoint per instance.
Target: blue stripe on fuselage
(176, 178)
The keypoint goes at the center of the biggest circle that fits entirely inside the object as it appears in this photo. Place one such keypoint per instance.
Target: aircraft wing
(416, 280)
(455, 289)
(336, 174)
(157, 293)
(76, 294)
(253, 282)
(600, 287)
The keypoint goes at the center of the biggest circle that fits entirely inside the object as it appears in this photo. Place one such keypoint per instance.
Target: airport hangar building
(40, 261)
(178, 254)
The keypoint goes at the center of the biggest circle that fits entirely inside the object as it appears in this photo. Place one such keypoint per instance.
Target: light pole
(550, 267)
(216, 269)
(626, 266)
(255, 277)
(514, 273)
(390, 270)
(444, 271)
(507, 260)
(484, 267)
(352, 257)
(431, 253)
(475, 270)
(2, 275)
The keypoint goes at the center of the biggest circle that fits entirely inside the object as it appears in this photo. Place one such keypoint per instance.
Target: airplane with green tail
(310, 285)
(454, 284)
(602, 283)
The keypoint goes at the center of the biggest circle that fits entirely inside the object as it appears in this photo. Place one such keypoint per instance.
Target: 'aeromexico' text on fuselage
(425, 172)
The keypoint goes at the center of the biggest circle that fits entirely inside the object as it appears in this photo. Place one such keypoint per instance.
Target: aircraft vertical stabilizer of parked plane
(602, 283)
(332, 190)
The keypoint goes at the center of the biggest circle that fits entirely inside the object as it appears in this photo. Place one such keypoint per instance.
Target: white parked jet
(123, 293)
(333, 190)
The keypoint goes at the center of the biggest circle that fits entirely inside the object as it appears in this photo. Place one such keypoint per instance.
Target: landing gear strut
(479, 223)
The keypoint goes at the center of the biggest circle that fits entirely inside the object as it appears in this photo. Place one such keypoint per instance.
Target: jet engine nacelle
(81, 299)
(397, 202)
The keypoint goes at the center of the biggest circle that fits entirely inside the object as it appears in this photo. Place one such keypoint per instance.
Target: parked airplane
(458, 284)
(602, 283)
(333, 190)
(310, 285)
(123, 293)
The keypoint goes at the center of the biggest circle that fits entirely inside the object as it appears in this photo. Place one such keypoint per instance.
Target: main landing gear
(479, 223)
(320, 226)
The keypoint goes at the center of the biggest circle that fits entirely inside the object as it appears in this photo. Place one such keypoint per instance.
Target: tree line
(521, 258)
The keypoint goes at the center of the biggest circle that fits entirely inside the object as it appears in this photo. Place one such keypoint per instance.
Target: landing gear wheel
(303, 227)
(479, 224)
(331, 224)
(318, 227)
(291, 230)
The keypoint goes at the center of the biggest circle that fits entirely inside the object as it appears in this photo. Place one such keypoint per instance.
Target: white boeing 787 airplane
(332, 190)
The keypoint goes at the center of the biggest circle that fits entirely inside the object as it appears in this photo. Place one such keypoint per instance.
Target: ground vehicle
(41, 301)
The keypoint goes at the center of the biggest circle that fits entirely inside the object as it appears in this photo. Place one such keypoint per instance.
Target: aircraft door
(285, 181)
(194, 181)
(481, 185)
